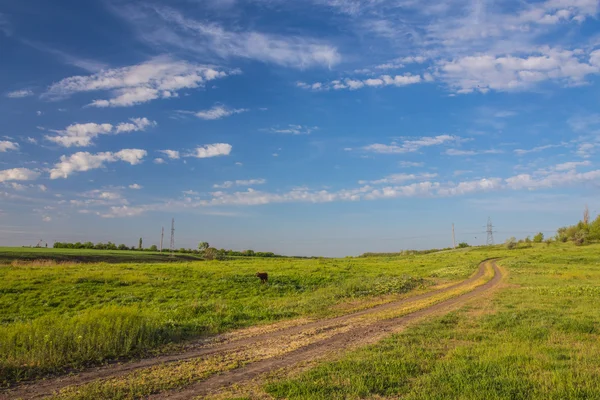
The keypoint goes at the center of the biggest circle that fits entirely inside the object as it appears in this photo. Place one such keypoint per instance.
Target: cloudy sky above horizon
(329, 127)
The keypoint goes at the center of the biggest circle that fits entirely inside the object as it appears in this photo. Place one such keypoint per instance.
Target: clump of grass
(53, 343)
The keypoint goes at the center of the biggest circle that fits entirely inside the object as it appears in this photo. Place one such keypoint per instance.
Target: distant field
(10, 254)
(70, 315)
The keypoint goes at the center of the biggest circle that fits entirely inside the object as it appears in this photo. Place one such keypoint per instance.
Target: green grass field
(11, 254)
(69, 315)
(538, 337)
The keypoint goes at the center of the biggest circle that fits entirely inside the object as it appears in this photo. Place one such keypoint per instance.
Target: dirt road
(347, 331)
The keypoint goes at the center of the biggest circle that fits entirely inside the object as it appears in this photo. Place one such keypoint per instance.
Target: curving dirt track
(362, 333)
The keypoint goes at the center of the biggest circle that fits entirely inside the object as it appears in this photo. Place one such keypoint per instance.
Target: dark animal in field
(264, 277)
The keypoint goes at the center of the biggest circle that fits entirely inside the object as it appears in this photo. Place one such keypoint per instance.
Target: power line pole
(172, 235)
(490, 232)
(453, 238)
(162, 235)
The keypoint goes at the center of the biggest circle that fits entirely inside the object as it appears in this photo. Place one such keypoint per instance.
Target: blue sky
(327, 127)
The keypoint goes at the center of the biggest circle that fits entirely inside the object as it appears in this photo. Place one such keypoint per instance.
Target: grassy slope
(10, 254)
(537, 338)
(69, 315)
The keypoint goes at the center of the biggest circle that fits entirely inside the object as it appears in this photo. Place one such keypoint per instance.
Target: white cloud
(123, 211)
(17, 94)
(571, 165)
(218, 112)
(42, 188)
(135, 186)
(5, 146)
(409, 146)
(161, 77)
(407, 164)
(158, 161)
(511, 72)
(521, 152)
(190, 193)
(172, 154)
(38, 113)
(295, 130)
(173, 29)
(31, 140)
(47, 219)
(399, 178)
(18, 174)
(84, 161)
(136, 124)
(212, 150)
(82, 135)
(17, 186)
(355, 84)
(249, 182)
(457, 152)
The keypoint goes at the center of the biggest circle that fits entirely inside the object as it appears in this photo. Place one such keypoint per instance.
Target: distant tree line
(584, 232)
(206, 251)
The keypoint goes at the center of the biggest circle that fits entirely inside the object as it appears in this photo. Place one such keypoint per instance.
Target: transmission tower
(490, 232)
(172, 235)
(162, 235)
(453, 238)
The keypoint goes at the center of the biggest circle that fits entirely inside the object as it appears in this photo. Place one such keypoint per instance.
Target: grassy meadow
(54, 317)
(536, 337)
(10, 255)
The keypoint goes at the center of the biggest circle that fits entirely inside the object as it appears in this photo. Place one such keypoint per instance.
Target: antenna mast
(162, 235)
(172, 235)
(453, 237)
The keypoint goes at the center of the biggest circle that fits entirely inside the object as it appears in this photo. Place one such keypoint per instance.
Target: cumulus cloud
(172, 154)
(249, 182)
(135, 186)
(158, 161)
(84, 161)
(410, 146)
(18, 174)
(355, 84)
(17, 94)
(82, 135)
(212, 150)
(6, 145)
(161, 77)
(218, 112)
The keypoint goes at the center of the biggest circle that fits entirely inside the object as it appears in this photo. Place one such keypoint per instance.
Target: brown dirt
(360, 335)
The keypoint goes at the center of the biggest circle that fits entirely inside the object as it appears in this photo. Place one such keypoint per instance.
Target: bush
(462, 245)
(539, 238)
(511, 243)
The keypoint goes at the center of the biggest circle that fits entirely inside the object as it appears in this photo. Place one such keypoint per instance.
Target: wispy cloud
(212, 150)
(294, 130)
(355, 84)
(6, 145)
(218, 112)
(167, 26)
(18, 94)
(410, 145)
(249, 182)
(18, 174)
